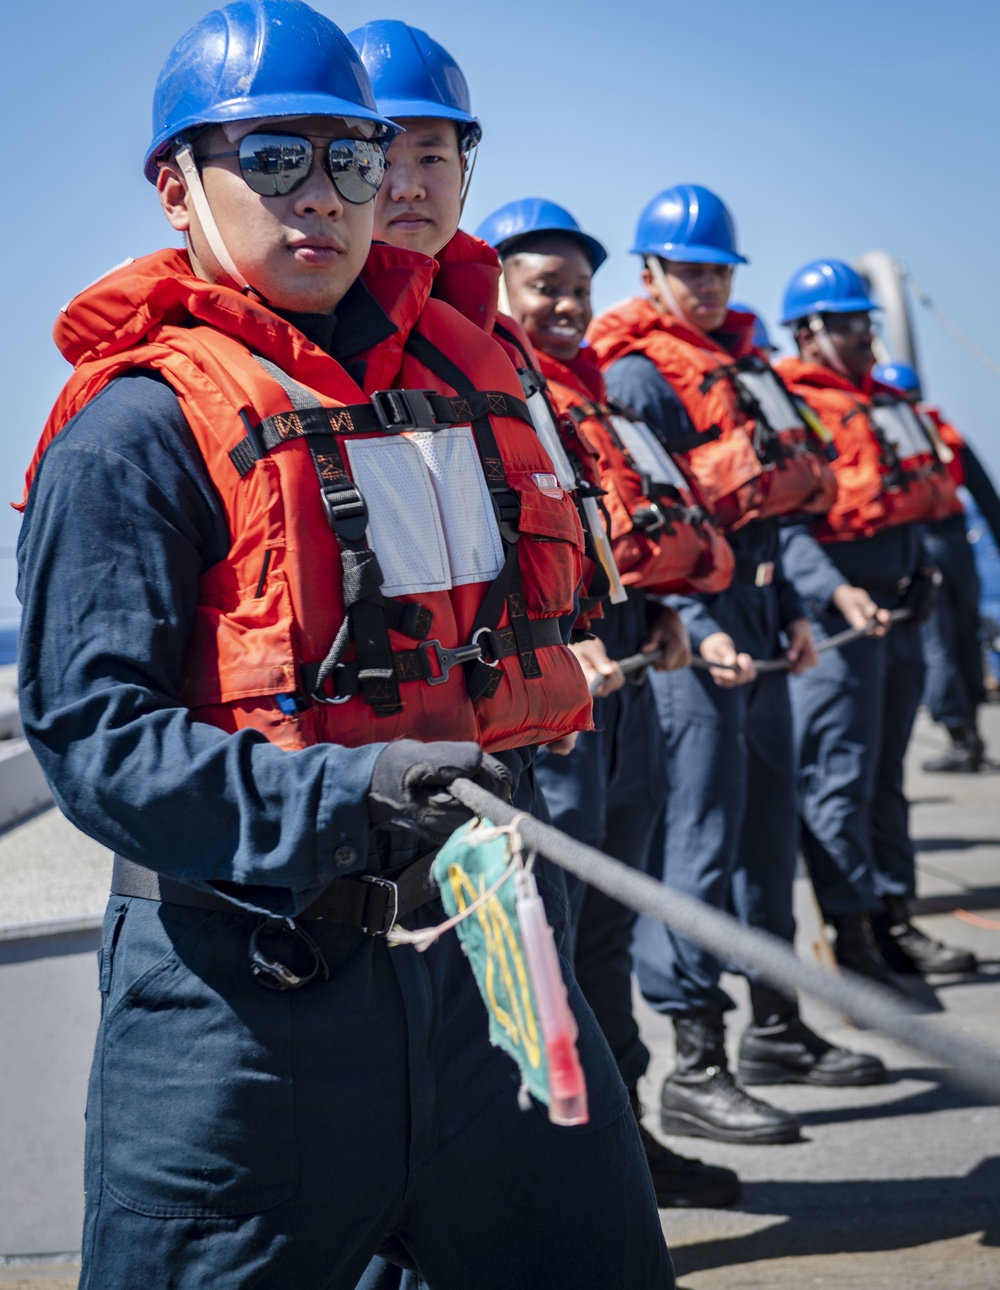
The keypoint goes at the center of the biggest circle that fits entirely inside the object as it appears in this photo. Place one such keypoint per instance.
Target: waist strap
(883, 586)
(431, 661)
(373, 904)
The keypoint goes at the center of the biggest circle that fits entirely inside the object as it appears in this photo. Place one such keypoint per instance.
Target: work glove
(409, 788)
(922, 594)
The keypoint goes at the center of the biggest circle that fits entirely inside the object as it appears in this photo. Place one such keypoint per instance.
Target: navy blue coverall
(237, 1136)
(853, 718)
(952, 649)
(609, 792)
(727, 835)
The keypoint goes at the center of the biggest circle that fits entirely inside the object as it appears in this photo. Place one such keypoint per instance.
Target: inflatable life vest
(399, 560)
(663, 539)
(467, 278)
(888, 468)
(752, 453)
(945, 433)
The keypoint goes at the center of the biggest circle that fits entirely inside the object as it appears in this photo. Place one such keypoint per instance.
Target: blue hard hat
(825, 287)
(760, 337)
(508, 225)
(413, 75)
(689, 224)
(901, 376)
(259, 58)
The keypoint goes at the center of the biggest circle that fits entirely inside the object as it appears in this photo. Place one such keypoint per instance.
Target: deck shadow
(856, 1217)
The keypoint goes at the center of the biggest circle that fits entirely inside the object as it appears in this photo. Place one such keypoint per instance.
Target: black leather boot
(964, 757)
(907, 950)
(857, 949)
(680, 1182)
(701, 1099)
(779, 1048)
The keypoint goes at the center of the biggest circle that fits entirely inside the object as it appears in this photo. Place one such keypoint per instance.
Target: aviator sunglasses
(274, 165)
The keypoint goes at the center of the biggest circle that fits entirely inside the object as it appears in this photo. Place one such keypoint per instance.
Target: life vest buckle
(399, 410)
(446, 659)
(346, 511)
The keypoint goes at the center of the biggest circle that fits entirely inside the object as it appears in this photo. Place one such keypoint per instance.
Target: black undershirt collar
(359, 324)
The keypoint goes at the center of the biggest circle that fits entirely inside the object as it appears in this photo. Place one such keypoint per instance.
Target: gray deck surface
(896, 1186)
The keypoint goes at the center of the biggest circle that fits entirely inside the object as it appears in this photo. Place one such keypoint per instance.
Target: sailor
(268, 619)
(687, 365)
(855, 712)
(951, 636)
(609, 792)
(429, 168)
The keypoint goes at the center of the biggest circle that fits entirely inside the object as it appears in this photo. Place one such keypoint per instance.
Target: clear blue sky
(828, 128)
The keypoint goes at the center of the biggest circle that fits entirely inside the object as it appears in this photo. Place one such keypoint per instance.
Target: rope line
(953, 331)
(636, 662)
(969, 1063)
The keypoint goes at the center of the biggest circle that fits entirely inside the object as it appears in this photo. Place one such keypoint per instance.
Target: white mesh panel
(648, 454)
(777, 409)
(404, 528)
(475, 551)
(898, 422)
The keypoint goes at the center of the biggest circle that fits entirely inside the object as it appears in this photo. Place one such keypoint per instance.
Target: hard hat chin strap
(663, 287)
(503, 302)
(826, 345)
(206, 219)
(470, 166)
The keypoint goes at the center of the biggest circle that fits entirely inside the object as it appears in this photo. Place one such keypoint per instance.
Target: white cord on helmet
(470, 166)
(503, 302)
(826, 346)
(199, 200)
(663, 287)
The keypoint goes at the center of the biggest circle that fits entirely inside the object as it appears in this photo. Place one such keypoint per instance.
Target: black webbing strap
(364, 605)
(686, 442)
(389, 412)
(506, 587)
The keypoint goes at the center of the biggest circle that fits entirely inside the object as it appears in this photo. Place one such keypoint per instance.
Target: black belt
(373, 904)
(757, 575)
(884, 586)
(431, 661)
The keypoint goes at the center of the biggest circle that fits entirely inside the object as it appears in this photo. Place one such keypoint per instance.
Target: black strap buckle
(399, 410)
(649, 519)
(380, 922)
(446, 659)
(346, 511)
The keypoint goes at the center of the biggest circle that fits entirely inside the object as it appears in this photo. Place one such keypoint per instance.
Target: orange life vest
(284, 431)
(747, 468)
(950, 436)
(663, 539)
(467, 278)
(882, 481)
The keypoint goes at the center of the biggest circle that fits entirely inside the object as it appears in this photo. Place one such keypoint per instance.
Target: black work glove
(409, 788)
(922, 594)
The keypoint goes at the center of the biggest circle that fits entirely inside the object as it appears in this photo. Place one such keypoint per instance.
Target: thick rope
(970, 1064)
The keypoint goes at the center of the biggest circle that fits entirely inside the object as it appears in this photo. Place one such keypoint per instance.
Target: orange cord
(990, 924)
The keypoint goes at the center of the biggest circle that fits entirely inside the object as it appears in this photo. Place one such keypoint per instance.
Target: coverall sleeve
(984, 494)
(806, 565)
(120, 524)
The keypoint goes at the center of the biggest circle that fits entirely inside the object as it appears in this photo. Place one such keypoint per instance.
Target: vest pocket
(241, 647)
(550, 549)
